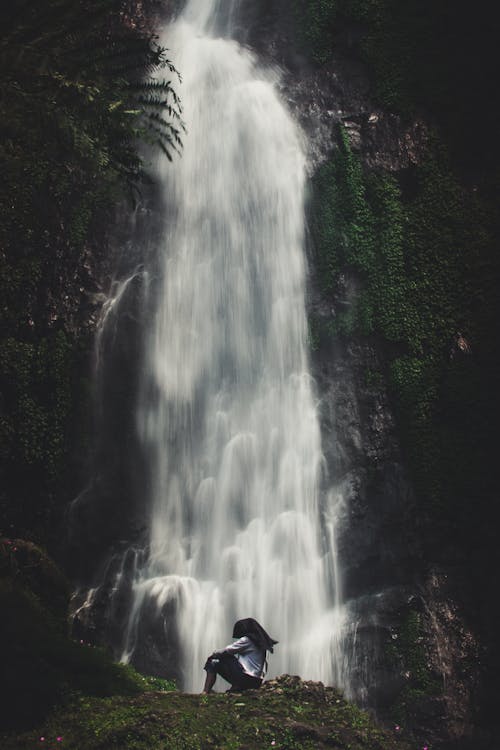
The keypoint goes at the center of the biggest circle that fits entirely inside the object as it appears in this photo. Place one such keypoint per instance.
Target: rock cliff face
(410, 653)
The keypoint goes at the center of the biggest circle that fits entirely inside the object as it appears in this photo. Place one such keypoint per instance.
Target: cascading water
(227, 413)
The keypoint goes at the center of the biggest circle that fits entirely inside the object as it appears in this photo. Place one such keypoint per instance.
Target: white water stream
(228, 413)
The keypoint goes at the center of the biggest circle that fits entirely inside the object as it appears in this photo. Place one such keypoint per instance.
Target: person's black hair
(253, 630)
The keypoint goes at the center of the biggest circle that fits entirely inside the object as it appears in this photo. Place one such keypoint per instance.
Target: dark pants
(229, 668)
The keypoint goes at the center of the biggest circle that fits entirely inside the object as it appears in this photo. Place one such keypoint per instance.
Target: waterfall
(227, 414)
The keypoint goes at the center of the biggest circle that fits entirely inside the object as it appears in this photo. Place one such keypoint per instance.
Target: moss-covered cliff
(421, 56)
(72, 110)
(423, 247)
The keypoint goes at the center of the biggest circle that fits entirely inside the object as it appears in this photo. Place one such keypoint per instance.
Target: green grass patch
(286, 714)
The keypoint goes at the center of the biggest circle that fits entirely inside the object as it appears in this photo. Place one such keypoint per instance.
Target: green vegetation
(41, 666)
(420, 54)
(425, 260)
(285, 714)
(316, 23)
(37, 386)
(407, 652)
(73, 107)
(419, 251)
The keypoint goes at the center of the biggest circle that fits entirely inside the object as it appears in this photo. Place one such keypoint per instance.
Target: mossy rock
(34, 570)
(41, 665)
(286, 713)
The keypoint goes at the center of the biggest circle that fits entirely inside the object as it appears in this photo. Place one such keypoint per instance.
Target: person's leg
(209, 681)
(244, 682)
(231, 670)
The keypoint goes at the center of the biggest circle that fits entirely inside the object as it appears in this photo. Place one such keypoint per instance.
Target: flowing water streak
(228, 415)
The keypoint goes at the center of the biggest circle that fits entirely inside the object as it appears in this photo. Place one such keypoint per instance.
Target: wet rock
(454, 653)
(340, 92)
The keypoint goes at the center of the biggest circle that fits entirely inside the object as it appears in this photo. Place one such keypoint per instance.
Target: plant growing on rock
(81, 87)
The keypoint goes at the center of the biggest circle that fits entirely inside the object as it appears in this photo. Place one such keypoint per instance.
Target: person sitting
(243, 663)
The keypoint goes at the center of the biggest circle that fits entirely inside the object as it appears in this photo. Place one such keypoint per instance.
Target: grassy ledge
(286, 713)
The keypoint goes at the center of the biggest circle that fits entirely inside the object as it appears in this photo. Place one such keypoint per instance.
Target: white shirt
(251, 657)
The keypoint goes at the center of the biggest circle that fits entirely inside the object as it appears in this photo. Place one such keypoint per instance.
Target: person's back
(251, 656)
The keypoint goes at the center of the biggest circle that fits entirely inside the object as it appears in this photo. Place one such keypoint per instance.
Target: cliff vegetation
(420, 245)
(82, 83)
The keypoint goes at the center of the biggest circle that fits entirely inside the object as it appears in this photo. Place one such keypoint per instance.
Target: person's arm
(234, 648)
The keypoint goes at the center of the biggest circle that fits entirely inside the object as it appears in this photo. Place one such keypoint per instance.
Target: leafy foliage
(426, 262)
(430, 297)
(420, 54)
(37, 382)
(316, 22)
(71, 81)
(81, 87)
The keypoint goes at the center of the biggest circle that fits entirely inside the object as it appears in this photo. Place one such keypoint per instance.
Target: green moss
(408, 654)
(414, 52)
(357, 224)
(424, 260)
(342, 223)
(374, 378)
(34, 571)
(72, 115)
(315, 23)
(286, 715)
(39, 380)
